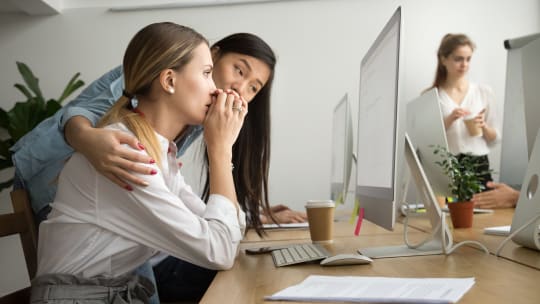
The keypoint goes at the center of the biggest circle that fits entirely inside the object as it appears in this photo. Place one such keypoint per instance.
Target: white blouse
(98, 228)
(478, 97)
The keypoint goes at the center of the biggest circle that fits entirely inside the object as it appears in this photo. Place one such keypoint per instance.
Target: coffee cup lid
(470, 116)
(320, 203)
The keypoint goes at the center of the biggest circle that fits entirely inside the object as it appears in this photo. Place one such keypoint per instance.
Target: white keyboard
(300, 253)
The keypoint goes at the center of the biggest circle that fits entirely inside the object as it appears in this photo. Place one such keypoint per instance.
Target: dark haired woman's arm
(284, 215)
(103, 148)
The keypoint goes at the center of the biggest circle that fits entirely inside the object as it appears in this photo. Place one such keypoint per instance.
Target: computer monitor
(378, 126)
(342, 142)
(521, 107)
(440, 238)
(425, 127)
(526, 222)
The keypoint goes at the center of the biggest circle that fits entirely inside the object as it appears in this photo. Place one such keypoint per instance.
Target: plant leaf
(6, 185)
(24, 90)
(4, 149)
(4, 120)
(5, 163)
(72, 85)
(31, 81)
(52, 107)
(24, 117)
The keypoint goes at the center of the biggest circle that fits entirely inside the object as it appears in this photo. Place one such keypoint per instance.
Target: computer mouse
(346, 259)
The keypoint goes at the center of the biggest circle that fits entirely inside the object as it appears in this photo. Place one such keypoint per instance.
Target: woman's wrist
(220, 158)
(74, 129)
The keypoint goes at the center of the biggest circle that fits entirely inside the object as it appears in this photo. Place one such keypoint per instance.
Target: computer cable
(428, 239)
(505, 241)
(446, 240)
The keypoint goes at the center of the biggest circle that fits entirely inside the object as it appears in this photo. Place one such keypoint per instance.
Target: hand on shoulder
(105, 150)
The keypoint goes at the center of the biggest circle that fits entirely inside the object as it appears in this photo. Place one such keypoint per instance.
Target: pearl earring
(171, 90)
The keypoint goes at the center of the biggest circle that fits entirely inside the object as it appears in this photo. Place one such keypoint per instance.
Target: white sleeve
(157, 218)
(491, 115)
(186, 194)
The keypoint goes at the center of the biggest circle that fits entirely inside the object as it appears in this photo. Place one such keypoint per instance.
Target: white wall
(319, 45)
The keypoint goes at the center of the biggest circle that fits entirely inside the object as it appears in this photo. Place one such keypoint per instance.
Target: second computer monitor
(342, 143)
(521, 107)
(425, 127)
(378, 126)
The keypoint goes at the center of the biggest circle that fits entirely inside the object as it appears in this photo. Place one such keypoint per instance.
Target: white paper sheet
(376, 289)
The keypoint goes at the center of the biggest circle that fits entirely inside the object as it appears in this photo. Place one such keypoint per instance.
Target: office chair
(21, 222)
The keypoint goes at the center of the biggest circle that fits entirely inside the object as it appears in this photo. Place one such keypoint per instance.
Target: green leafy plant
(464, 172)
(25, 115)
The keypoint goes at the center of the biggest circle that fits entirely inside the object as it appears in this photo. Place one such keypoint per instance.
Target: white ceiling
(52, 7)
(31, 7)
(7, 7)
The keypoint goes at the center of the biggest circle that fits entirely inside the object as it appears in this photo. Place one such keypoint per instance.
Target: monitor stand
(433, 245)
(440, 240)
(430, 248)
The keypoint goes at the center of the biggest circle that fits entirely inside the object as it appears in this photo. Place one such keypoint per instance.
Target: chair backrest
(21, 222)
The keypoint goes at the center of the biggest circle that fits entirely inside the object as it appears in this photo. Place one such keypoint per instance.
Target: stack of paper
(376, 289)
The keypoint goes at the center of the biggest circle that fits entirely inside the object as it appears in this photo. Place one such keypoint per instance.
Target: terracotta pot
(461, 214)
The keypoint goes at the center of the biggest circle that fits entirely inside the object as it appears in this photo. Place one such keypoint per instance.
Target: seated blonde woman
(98, 233)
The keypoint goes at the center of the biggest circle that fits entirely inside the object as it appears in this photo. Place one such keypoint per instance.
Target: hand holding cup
(475, 123)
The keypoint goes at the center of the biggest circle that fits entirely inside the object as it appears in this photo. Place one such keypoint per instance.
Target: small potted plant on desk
(464, 172)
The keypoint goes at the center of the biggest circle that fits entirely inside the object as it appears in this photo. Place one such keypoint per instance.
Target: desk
(254, 276)
(498, 280)
(342, 228)
(500, 217)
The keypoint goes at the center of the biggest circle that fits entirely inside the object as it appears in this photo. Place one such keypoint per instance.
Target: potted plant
(25, 115)
(465, 174)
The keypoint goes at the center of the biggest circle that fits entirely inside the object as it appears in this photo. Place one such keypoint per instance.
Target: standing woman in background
(463, 100)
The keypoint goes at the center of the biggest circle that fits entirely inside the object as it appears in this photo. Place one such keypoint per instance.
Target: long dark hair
(251, 152)
(449, 43)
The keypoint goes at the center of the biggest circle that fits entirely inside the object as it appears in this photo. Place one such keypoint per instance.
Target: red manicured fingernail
(128, 188)
(153, 172)
(180, 164)
(140, 146)
(152, 161)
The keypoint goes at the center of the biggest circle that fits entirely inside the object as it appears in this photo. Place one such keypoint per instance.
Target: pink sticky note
(359, 221)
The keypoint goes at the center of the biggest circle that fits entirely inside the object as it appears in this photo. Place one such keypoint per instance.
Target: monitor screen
(521, 107)
(425, 127)
(341, 151)
(377, 126)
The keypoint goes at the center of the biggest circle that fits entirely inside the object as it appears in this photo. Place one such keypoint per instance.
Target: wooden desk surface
(497, 280)
(342, 228)
(500, 217)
